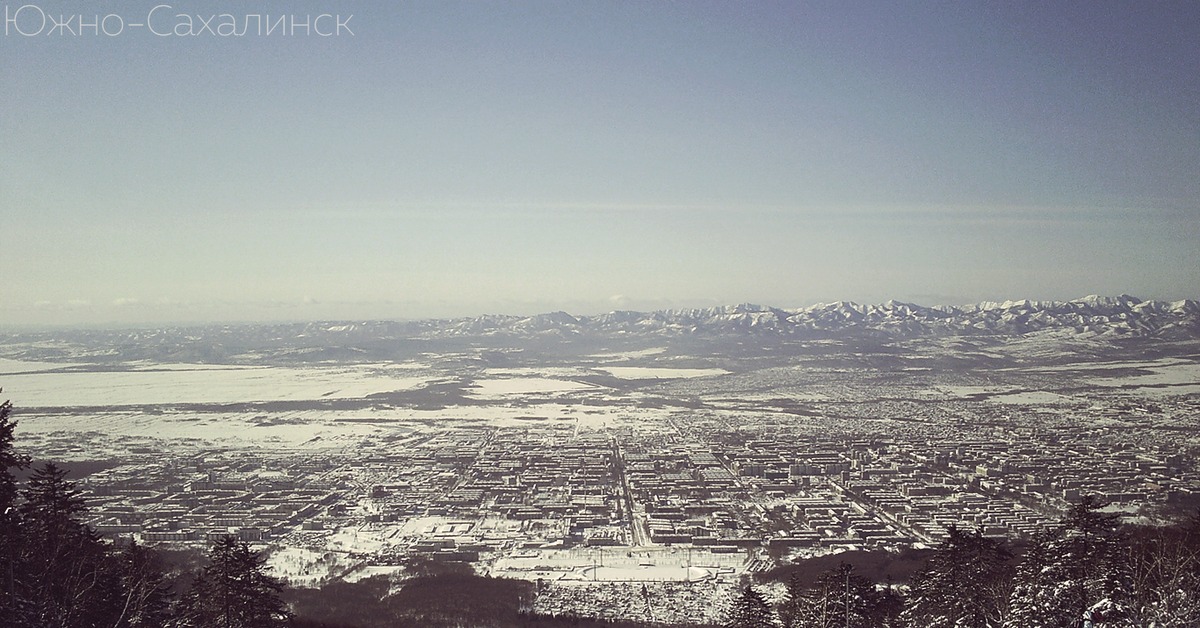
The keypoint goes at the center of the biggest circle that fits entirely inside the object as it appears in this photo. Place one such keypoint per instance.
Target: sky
(443, 159)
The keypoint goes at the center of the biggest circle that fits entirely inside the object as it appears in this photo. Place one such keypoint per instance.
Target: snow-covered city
(680, 460)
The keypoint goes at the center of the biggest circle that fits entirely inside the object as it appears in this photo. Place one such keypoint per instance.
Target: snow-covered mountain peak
(1120, 316)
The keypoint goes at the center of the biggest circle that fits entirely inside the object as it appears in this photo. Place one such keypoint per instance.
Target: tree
(843, 598)
(793, 601)
(143, 594)
(1075, 574)
(64, 572)
(11, 606)
(57, 573)
(1165, 566)
(967, 582)
(234, 591)
(750, 610)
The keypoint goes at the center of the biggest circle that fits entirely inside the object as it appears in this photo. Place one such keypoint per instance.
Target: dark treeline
(1087, 571)
(449, 596)
(56, 572)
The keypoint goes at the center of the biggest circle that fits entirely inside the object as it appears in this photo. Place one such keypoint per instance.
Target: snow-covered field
(629, 355)
(311, 428)
(303, 567)
(650, 372)
(9, 367)
(1184, 374)
(669, 573)
(486, 388)
(1099, 366)
(181, 384)
(620, 564)
(557, 372)
(1037, 397)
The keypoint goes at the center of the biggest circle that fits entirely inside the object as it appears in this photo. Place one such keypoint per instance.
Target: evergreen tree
(1165, 565)
(56, 573)
(234, 591)
(793, 600)
(143, 594)
(750, 610)
(967, 583)
(64, 572)
(12, 606)
(843, 598)
(1076, 574)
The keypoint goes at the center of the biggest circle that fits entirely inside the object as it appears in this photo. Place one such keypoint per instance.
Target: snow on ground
(705, 603)
(1170, 389)
(370, 571)
(674, 564)
(666, 573)
(629, 355)
(965, 391)
(361, 540)
(287, 429)
(1036, 397)
(524, 386)
(775, 395)
(514, 415)
(434, 527)
(303, 567)
(147, 365)
(1185, 374)
(231, 384)
(559, 372)
(650, 372)
(8, 367)
(1100, 366)
(315, 428)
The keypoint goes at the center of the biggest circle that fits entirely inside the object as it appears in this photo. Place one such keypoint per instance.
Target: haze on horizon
(454, 159)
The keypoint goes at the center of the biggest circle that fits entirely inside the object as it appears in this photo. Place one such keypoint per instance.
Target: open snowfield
(1037, 397)
(966, 391)
(315, 429)
(180, 384)
(667, 573)
(302, 567)
(486, 388)
(356, 540)
(1181, 374)
(629, 355)
(1099, 366)
(9, 367)
(666, 564)
(650, 372)
(311, 429)
(567, 372)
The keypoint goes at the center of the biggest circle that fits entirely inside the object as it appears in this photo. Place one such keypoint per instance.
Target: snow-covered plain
(310, 428)
(619, 564)
(1037, 397)
(183, 384)
(524, 386)
(629, 355)
(1170, 374)
(652, 372)
(9, 367)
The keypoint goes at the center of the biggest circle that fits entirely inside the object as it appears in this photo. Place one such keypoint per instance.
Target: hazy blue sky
(455, 158)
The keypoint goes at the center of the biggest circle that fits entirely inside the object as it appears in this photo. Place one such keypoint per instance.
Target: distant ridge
(1094, 321)
(1092, 315)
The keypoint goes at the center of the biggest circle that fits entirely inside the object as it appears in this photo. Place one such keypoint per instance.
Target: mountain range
(1096, 321)
(1093, 315)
